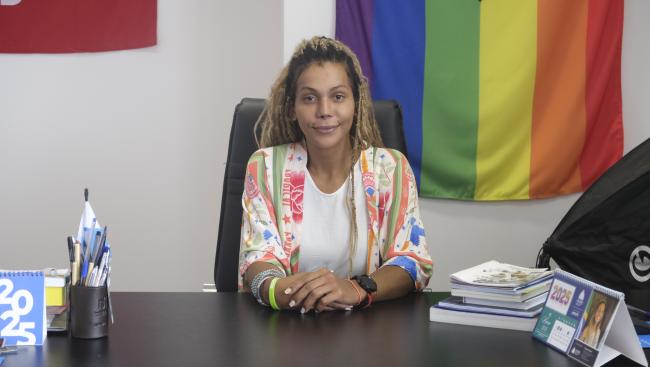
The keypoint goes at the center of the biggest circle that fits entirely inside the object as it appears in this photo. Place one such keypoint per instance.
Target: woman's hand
(285, 287)
(320, 290)
(283, 298)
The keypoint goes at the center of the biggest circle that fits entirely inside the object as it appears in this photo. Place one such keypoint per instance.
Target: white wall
(461, 234)
(306, 18)
(146, 130)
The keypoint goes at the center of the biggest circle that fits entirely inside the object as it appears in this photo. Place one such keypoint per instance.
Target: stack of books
(496, 295)
(57, 282)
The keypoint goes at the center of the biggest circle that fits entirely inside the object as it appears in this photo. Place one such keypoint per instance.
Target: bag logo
(640, 263)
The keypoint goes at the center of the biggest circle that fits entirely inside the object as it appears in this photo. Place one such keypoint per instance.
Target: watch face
(367, 283)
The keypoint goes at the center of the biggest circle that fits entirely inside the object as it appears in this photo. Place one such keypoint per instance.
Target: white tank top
(326, 228)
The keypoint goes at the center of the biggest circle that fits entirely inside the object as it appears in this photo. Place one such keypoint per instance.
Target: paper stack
(496, 295)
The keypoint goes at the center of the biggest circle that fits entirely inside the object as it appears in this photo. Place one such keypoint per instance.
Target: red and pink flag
(61, 26)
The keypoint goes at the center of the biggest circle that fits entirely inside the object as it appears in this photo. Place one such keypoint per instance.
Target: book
(587, 322)
(22, 306)
(456, 303)
(500, 275)
(494, 294)
(523, 305)
(501, 294)
(438, 314)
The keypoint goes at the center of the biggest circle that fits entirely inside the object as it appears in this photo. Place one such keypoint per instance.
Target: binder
(588, 322)
(22, 307)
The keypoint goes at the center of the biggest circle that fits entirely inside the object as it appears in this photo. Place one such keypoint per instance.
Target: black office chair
(241, 146)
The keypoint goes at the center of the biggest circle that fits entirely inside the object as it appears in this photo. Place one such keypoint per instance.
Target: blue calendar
(22, 307)
(587, 322)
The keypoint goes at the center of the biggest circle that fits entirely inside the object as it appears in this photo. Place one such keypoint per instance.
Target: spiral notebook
(22, 307)
(588, 322)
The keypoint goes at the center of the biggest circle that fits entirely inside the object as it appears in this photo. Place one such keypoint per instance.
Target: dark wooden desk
(229, 329)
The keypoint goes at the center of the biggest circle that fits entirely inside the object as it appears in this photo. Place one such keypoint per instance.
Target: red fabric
(59, 26)
(604, 135)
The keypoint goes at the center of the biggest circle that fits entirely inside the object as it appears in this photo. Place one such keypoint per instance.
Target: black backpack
(605, 236)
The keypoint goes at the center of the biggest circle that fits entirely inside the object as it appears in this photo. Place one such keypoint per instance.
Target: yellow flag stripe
(508, 52)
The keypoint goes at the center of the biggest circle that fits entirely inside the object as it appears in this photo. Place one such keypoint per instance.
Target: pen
(86, 254)
(99, 251)
(96, 257)
(71, 252)
(93, 255)
(108, 285)
(70, 249)
(91, 278)
(96, 236)
(103, 266)
(84, 267)
(100, 269)
(75, 264)
(84, 241)
(102, 279)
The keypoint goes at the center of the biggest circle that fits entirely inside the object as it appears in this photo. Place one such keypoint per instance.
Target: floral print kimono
(273, 198)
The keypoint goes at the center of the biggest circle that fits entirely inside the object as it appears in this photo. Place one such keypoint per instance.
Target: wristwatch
(367, 284)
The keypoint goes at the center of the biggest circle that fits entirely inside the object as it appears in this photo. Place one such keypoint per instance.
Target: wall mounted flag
(60, 26)
(502, 99)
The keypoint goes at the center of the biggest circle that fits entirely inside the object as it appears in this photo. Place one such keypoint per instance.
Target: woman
(591, 331)
(331, 219)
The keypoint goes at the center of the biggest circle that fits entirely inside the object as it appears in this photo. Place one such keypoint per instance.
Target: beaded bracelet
(259, 280)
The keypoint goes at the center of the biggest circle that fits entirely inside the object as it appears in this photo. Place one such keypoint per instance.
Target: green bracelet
(274, 305)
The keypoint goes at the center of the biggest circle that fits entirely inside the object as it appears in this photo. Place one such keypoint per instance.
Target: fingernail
(287, 291)
(348, 308)
(302, 310)
(292, 303)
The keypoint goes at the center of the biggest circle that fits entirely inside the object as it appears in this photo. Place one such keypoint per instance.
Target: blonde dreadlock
(277, 127)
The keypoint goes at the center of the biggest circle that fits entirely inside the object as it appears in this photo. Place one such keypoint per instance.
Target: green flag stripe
(450, 102)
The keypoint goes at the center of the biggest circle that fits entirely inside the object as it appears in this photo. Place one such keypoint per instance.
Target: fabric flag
(59, 26)
(89, 228)
(87, 225)
(502, 99)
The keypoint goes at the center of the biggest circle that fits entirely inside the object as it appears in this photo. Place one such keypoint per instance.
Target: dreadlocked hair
(276, 125)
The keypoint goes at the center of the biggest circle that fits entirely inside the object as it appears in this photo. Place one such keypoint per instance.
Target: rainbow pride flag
(502, 99)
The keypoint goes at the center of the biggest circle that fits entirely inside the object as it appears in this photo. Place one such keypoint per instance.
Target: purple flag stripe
(354, 28)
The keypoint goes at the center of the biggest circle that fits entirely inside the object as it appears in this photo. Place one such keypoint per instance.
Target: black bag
(605, 236)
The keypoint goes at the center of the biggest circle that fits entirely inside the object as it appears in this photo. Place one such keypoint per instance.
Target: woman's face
(324, 106)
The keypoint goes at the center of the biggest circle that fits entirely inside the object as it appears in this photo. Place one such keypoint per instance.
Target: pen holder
(88, 312)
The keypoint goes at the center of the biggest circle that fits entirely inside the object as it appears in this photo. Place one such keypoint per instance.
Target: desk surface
(230, 329)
